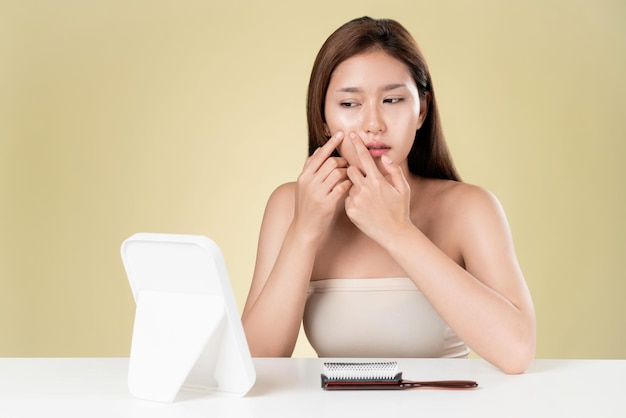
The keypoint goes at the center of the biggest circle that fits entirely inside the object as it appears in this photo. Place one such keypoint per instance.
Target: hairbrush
(379, 375)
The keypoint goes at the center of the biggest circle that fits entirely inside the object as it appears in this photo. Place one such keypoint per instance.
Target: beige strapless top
(376, 318)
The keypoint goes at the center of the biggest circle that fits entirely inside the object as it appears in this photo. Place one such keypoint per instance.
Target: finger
(396, 175)
(335, 177)
(367, 162)
(341, 189)
(322, 153)
(355, 175)
(330, 165)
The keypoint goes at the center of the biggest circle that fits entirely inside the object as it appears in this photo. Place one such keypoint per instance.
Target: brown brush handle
(401, 384)
(441, 384)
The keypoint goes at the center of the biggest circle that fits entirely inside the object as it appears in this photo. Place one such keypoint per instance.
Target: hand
(322, 183)
(376, 204)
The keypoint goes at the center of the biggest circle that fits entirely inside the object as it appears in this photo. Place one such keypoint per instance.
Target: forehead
(371, 68)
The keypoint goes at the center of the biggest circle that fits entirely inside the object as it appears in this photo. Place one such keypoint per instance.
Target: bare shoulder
(476, 198)
(463, 200)
(276, 219)
(283, 193)
(281, 202)
(456, 215)
(477, 220)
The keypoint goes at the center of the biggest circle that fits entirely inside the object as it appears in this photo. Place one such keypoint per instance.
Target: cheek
(341, 121)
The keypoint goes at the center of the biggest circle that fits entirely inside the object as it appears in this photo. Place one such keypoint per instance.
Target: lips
(377, 148)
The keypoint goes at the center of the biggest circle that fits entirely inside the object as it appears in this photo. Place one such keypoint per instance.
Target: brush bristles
(386, 370)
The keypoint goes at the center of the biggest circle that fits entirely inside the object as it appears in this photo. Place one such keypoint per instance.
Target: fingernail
(386, 159)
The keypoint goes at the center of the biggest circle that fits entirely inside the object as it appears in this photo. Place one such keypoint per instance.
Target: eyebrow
(387, 87)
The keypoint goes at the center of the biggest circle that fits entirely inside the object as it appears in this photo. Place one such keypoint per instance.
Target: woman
(378, 246)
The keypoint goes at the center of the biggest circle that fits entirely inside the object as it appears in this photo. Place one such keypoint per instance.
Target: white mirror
(187, 331)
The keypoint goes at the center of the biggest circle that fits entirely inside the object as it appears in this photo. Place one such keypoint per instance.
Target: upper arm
(276, 220)
(487, 246)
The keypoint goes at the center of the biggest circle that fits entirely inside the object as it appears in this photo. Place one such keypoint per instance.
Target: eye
(348, 104)
(393, 100)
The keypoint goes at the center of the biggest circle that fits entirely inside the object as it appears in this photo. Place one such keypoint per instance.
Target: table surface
(290, 387)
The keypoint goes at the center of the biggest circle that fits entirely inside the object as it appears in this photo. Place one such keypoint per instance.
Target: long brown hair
(429, 155)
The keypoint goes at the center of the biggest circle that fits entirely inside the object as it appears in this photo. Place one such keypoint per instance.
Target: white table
(93, 387)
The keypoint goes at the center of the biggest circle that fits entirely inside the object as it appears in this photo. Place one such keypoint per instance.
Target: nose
(373, 122)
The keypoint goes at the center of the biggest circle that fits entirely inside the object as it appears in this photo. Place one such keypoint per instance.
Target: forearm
(493, 326)
(273, 321)
(287, 251)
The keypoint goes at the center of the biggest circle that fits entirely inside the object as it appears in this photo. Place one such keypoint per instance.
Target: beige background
(182, 116)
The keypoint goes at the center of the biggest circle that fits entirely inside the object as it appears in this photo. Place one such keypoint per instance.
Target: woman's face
(373, 95)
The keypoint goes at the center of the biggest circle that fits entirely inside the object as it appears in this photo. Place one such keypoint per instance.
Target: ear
(424, 106)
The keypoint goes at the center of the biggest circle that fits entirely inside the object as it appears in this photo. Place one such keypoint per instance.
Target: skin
(365, 215)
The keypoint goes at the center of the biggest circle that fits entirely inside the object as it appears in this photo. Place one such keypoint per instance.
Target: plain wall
(119, 117)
